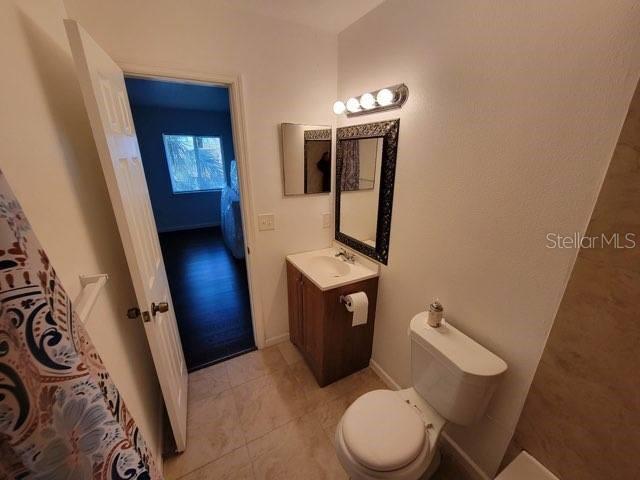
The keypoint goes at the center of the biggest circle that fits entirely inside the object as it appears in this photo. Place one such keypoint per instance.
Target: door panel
(106, 101)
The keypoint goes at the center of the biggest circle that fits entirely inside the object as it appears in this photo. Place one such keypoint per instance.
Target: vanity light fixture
(353, 105)
(339, 108)
(367, 101)
(385, 97)
(371, 102)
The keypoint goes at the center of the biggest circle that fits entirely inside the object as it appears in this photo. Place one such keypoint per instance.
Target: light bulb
(367, 101)
(385, 97)
(353, 105)
(339, 108)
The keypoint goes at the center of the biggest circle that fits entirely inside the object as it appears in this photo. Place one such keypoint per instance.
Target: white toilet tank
(454, 374)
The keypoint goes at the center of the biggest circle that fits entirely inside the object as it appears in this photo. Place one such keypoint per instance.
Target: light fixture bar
(387, 98)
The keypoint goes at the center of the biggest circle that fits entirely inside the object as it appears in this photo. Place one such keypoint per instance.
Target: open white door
(106, 101)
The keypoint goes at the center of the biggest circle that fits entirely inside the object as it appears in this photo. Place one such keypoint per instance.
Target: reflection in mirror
(361, 161)
(360, 157)
(306, 158)
(365, 173)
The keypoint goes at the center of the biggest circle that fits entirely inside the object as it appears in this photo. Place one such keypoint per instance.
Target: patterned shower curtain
(350, 174)
(61, 416)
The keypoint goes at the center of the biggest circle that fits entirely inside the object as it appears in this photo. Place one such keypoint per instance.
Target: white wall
(49, 158)
(513, 114)
(289, 75)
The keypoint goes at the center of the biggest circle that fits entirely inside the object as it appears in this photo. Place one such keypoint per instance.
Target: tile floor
(263, 416)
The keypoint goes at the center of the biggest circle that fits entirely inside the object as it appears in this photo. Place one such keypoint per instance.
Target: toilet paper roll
(358, 303)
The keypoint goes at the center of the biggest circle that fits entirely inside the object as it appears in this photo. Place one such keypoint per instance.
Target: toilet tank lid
(455, 348)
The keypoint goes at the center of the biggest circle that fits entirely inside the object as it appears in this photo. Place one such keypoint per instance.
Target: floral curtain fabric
(350, 175)
(61, 416)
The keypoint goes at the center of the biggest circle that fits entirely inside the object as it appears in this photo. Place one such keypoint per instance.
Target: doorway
(185, 134)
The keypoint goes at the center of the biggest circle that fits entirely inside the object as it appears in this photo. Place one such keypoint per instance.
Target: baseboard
(188, 227)
(384, 376)
(269, 342)
(470, 467)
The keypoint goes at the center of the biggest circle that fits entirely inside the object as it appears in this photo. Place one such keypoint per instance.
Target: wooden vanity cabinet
(320, 326)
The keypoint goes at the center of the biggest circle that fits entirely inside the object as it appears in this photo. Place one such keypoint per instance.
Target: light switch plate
(266, 221)
(326, 220)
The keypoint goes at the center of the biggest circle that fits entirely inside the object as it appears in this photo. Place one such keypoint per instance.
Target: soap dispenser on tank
(435, 313)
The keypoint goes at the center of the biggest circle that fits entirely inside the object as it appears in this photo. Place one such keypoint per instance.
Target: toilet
(388, 434)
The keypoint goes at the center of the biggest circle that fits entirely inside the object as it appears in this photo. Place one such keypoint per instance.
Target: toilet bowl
(389, 434)
(386, 434)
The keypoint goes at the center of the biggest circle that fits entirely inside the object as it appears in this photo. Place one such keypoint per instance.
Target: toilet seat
(426, 461)
(382, 432)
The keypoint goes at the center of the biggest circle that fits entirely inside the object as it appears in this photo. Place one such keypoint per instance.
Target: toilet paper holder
(343, 299)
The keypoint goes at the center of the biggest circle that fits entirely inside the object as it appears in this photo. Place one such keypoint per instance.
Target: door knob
(161, 307)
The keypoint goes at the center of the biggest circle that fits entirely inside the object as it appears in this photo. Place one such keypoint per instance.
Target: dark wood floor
(210, 296)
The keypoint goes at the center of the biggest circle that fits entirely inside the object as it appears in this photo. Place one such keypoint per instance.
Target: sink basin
(329, 265)
(327, 271)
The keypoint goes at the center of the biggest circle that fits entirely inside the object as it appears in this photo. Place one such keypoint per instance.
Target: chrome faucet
(346, 256)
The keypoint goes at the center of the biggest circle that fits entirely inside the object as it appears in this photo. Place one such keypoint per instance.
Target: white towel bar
(91, 287)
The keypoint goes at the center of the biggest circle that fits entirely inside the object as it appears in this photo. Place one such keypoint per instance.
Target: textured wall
(582, 416)
(184, 210)
(50, 160)
(513, 114)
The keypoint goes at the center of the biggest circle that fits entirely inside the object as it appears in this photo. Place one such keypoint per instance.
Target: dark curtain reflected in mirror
(359, 161)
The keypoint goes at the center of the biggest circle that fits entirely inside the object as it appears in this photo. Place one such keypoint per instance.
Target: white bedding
(231, 215)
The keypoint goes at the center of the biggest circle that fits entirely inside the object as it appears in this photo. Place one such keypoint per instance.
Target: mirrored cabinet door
(306, 158)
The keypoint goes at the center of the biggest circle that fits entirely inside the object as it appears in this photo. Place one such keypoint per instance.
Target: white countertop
(327, 271)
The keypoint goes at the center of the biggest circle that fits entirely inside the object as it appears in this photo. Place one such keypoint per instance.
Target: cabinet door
(348, 348)
(294, 290)
(313, 326)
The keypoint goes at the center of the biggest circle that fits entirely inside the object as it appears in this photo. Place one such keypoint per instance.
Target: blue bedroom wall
(185, 210)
